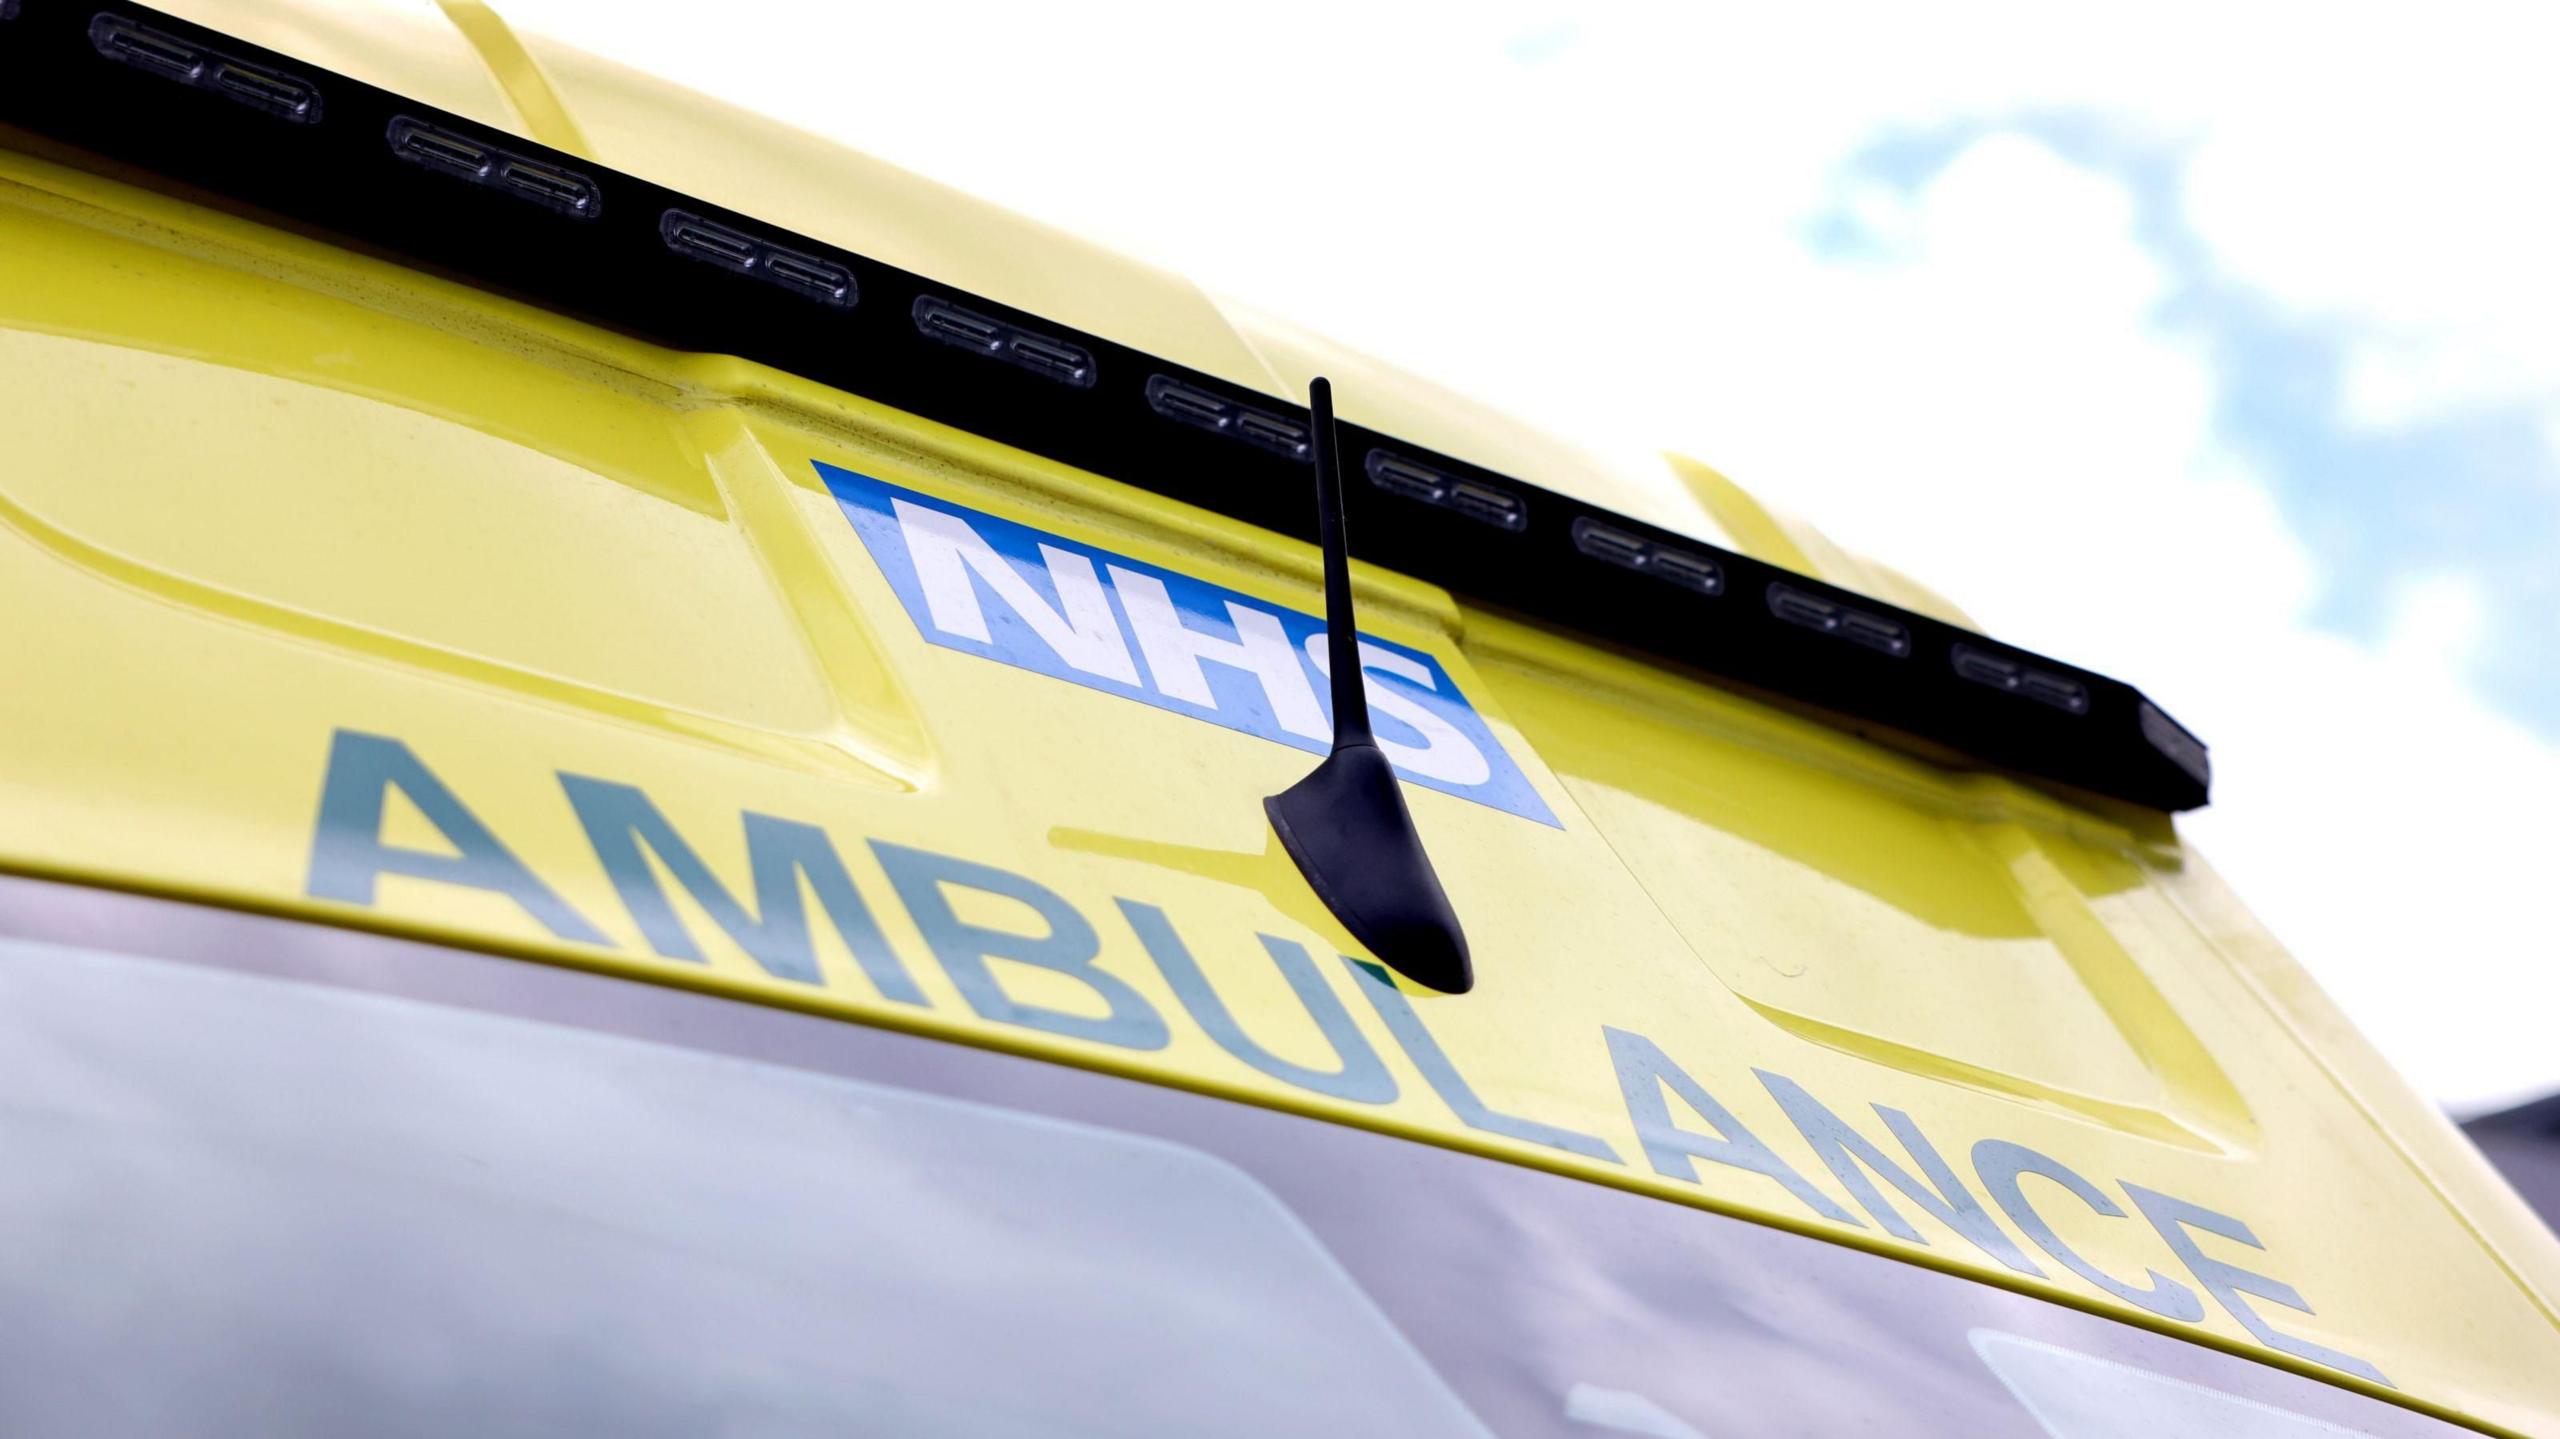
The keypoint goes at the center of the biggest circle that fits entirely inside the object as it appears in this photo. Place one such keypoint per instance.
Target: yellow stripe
(545, 117)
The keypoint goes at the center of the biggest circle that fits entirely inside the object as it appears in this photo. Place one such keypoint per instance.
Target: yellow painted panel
(1879, 919)
(274, 495)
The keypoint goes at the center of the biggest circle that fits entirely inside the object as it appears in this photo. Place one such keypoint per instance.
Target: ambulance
(658, 779)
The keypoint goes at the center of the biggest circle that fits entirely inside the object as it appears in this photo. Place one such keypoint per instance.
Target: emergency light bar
(326, 150)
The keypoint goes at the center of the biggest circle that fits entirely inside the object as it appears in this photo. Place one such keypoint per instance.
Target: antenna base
(1347, 827)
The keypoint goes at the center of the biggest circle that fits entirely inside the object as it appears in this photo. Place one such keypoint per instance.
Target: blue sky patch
(2380, 508)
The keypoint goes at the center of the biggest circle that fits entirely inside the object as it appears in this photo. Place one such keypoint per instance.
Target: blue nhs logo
(1043, 602)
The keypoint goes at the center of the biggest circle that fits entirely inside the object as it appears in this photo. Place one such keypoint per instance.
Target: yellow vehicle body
(271, 506)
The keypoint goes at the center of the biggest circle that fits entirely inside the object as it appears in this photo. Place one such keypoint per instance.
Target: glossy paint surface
(262, 495)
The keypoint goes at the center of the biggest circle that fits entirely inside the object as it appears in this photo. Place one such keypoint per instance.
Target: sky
(2207, 346)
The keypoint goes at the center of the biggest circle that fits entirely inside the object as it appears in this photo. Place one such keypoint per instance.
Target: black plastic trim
(155, 52)
(2177, 743)
(444, 150)
(696, 238)
(2014, 676)
(1144, 420)
(1204, 408)
(1486, 504)
(1611, 545)
(1044, 355)
(1854, 623)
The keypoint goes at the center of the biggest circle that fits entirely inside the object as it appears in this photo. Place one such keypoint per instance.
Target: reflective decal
(1015, 924)
(1042, 602)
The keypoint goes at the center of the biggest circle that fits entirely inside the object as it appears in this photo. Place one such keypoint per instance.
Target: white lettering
(1261, 648)
(1080, 631)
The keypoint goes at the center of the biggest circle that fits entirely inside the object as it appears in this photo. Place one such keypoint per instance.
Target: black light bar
(323, 149)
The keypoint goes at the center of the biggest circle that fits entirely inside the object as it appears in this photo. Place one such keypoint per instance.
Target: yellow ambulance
(655, 779)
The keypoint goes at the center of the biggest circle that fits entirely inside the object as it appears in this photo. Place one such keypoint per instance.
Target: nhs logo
(1043, 602)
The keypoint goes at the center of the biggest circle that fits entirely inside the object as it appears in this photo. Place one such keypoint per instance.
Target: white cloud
(1607, 236)
(2016, 427)
(2393, 179)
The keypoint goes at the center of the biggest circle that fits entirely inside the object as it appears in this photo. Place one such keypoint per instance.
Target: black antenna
(1346, 824)
(1341, 632)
